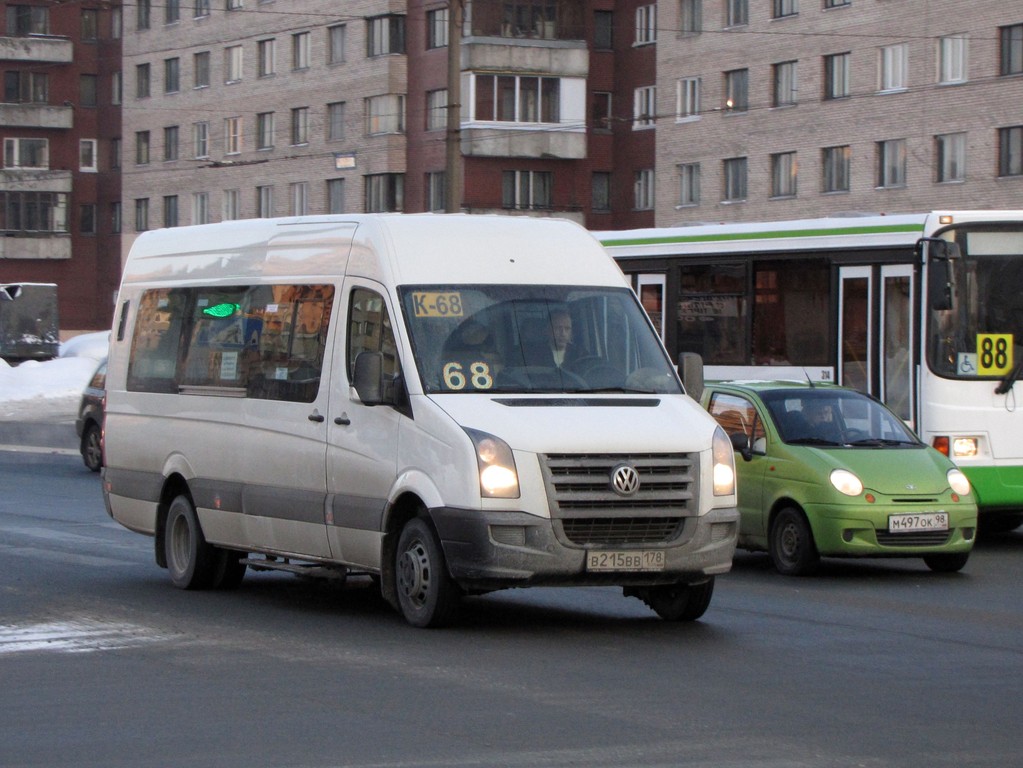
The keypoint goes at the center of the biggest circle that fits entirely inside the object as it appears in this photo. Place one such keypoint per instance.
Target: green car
(826, 470)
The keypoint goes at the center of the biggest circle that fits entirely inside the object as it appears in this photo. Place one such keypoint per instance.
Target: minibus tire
(191, 562)
(427, 597)
(676, 602)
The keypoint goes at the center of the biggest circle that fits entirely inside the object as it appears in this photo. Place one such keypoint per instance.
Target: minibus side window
(157, 340)
(369, 330)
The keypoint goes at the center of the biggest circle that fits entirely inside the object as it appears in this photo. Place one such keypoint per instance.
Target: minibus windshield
(534, 339)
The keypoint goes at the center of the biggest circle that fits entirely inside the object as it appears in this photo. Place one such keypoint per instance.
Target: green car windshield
(534, 339)
(832, 417)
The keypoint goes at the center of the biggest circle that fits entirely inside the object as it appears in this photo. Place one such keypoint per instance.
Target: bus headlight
(724, 464)
(846, 482)
(964, 446)
(958, 482)
(498, 478)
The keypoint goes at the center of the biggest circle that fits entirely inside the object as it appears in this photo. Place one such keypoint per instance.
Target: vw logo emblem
(624, 480)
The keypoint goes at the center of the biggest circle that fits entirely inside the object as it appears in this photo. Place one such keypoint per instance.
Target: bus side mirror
(690, 365)
(368, 382)
(939, 273)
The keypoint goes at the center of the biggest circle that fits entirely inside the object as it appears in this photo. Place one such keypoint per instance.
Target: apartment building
(59, 184)
(796, 108)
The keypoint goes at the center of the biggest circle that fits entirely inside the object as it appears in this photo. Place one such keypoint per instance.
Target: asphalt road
(103, 663)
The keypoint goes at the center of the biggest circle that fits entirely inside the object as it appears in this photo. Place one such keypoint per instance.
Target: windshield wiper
(811, 441)
(879, 442)
(1010, 378)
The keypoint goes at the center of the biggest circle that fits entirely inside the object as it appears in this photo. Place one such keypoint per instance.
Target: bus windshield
(534, 339)
(980, 333)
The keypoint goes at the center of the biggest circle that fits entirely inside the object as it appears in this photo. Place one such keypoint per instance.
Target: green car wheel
(791, 544)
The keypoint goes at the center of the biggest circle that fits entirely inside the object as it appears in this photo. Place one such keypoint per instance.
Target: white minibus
(449, 404)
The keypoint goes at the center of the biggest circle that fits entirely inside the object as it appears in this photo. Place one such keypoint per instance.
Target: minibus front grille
(581, 491)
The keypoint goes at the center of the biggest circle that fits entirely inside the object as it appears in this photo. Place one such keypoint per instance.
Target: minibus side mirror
(368, 382)
(690, 366)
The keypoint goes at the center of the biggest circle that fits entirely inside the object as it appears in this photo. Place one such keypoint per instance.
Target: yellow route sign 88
(994, 354)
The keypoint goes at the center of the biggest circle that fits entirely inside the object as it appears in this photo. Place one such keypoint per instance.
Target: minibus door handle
(316, 416)
(342, 420)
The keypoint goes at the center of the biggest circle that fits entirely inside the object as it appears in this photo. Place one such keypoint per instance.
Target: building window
(115, 89)
(783, 174)
(336, 121)
(299, 198)
(232, 208)
(141, 147)
(952, 59)
(170, 210)
(836, 75)
(644, 107)
(265, 201)
(26, 87)
(646, 24)
(300, 58)
(201, 208)
(90, 24)
(266, 56)
(201, 70)
(87, 219)
(33, 212)
(688, 184)
(202, 8)
(385, 114)
(143, 11)
(782, 8)
(171, 75)
(437, 109)
(785, 84)
(171, 11)
(300, 126)
(836, 3)
(891, 163)
(894, 67)
(115, 218)
(141, 81)
(1010, 151)
(734, 179)
(836, 163)
(601, 117)
(737, 90)
(512, 98)
(141, 214)
(336, 44)
(687, 99)
(950, 156)
(233, 5)
(201, 139)
(437, 28)
(600, 191)
(736, 13)
(115, 154)
(170, 143)
(264, 130)
(24, 20)
(87, 155)
(88, 90)
(1011, 49)
(335, 195)
(527, 190)
(690, 16)
(233, 63)
(232, 135)
(386, 34)
(603, 30)
(385, 192)
(643, 190)
(26, 153)
(436, 191)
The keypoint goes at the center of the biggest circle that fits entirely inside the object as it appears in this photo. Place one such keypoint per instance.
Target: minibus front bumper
(494, 550)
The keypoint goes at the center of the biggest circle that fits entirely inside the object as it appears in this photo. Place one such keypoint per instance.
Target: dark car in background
(89, 424)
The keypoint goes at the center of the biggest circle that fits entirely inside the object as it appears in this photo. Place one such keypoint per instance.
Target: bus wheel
(229, 570)
(426, 595)
(676, 602)
(948, 562)
(791, 545)
(192, 562)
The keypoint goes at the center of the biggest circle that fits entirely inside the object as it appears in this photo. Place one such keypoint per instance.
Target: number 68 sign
(994, 353)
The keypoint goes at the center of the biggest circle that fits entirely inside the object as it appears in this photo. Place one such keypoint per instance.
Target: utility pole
(453, 174)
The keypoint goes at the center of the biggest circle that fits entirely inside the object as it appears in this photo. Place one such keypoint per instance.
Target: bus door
(877, 360)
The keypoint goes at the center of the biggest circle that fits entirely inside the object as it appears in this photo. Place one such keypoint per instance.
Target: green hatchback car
(826, 470)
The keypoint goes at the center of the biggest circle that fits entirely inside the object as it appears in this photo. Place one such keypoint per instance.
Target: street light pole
(453, 168)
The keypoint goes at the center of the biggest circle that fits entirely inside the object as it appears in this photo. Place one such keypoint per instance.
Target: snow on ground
(50, 390)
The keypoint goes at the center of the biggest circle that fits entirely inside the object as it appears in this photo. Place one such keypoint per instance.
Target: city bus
(924, 311)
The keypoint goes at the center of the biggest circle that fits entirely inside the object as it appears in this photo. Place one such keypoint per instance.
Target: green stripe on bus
(884, 229)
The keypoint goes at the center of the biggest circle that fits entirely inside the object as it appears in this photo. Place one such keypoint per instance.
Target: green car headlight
(958, 482)
(846, 482)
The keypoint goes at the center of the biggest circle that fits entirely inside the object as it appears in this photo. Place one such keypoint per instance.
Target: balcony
(57, 50)
(35, 116)
(526, 20)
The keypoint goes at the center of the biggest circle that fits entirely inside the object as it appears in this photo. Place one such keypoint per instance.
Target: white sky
(50, 390)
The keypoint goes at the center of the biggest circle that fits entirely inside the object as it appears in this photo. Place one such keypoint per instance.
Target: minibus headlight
(846, 482)
(724, 464)
(958, 482)
(498, 478)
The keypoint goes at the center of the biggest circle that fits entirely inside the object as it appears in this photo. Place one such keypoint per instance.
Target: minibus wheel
(676, 602)
(191, 562)
(427, 596)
